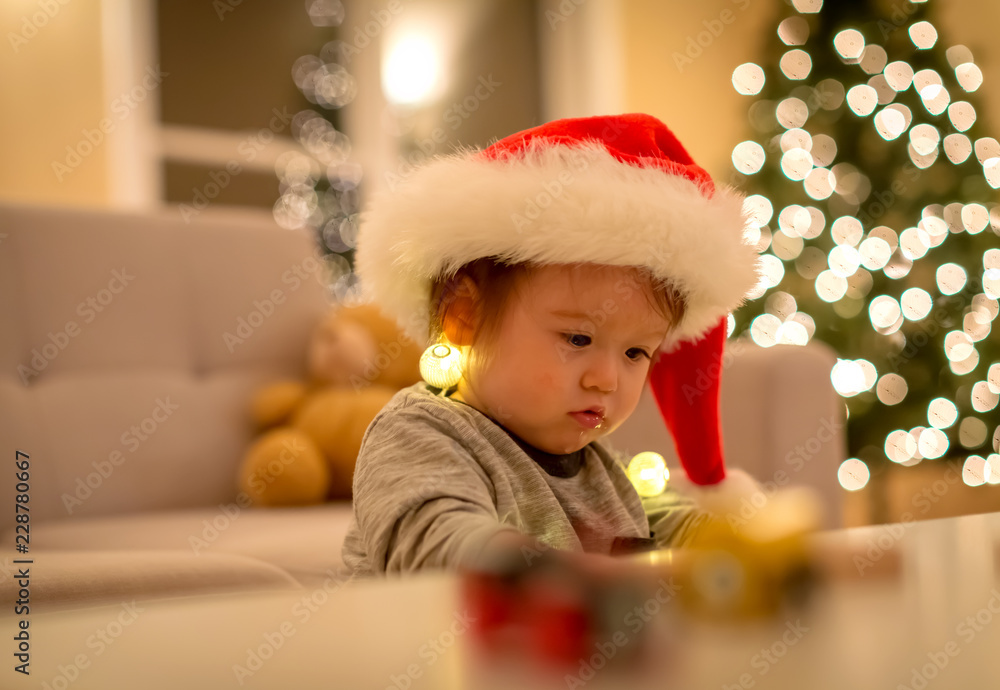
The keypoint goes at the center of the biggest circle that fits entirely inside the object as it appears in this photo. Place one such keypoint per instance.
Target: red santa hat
(618, 190)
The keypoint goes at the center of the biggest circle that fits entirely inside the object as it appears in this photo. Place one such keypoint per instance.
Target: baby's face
(571, 358)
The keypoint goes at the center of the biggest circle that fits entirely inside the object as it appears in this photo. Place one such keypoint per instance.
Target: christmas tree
(873, 185)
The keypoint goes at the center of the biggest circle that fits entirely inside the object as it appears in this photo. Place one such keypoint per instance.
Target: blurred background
(861, 131)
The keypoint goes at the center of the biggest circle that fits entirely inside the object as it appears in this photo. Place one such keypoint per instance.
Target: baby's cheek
(631, 394)
(543, 379)
(544, 382)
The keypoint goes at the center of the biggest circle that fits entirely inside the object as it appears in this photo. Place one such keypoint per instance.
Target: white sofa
(130, 347)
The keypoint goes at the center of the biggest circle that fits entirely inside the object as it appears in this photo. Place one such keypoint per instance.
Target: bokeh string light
(871, 198)
(319, 182)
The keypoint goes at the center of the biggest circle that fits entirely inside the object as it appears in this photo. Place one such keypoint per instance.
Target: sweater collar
(562, 465)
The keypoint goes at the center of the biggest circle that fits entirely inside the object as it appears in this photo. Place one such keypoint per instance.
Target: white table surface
(883, 629)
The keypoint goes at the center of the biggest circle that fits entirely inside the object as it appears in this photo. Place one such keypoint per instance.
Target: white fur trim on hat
(764, 513)
(724, 498)
(555, 204)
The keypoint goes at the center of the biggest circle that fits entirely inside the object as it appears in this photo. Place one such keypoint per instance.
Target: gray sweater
(436, 479)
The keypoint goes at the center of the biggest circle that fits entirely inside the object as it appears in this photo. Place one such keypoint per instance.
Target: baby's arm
(447, 533)
(421, 500)
(673, 518)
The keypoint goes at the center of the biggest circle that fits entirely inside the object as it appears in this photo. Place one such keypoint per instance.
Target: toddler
(571, 264)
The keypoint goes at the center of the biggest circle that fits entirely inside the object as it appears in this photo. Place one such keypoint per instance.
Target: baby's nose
(601, 374)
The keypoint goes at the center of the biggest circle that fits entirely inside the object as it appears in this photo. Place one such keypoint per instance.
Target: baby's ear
(460, 312)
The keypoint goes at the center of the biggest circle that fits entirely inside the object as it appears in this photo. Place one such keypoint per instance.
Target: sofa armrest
(66, 579)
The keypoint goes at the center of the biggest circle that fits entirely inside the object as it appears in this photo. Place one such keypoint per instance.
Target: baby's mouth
(592, 418)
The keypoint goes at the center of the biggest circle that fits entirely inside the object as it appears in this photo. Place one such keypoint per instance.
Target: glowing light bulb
(975, 470)
(891, 389)
(748, 79)
(411, 72)
(853, 474)
(850, 44)
(649, 474)
(851, 377)
(441, 365)
(923, 35)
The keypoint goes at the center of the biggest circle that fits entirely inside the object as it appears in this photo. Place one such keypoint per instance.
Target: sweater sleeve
(673, 518)
(420, 498)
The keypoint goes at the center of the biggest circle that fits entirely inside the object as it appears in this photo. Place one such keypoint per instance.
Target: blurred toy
(743, 567)
(564, 610)
(748, 555)
(357, 361)
(561, 610)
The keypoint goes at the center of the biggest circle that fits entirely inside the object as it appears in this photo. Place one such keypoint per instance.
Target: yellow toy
(747, 554)
(752, 567)
(357, 361)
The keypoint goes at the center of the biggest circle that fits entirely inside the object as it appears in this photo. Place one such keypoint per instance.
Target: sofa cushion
(132, 345)
(62, 579)
(303, 542)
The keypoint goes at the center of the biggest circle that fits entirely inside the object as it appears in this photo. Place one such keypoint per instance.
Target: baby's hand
(513, 555)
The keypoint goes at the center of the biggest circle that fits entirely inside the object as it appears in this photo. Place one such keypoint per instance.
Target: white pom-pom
(758, 512)
(736, 491)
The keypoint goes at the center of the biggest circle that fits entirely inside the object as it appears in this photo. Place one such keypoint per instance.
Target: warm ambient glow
(649, 474)
(853, 474)
(441, 365)
(411, 73)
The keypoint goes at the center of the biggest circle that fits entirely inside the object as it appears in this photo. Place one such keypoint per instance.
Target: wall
(66, 76)
(52, 89)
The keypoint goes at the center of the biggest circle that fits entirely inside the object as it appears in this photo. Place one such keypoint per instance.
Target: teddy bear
(312, 430)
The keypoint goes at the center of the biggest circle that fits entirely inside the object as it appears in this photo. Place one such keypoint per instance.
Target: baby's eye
(577, 339)
(636, 353)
